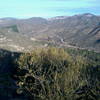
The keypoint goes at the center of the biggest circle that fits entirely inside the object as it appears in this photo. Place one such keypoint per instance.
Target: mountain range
(78, 31)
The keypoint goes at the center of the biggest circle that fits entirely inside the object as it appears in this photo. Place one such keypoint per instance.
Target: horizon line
(11, 17)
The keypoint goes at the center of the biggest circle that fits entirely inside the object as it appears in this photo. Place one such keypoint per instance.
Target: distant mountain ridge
(79, 30)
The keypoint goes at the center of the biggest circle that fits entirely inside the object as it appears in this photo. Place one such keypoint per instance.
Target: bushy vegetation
(54, 74)
(14, 28)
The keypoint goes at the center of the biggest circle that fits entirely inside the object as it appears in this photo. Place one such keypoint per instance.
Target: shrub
(52, 74)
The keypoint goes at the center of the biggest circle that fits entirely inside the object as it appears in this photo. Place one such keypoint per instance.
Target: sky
(47, 8)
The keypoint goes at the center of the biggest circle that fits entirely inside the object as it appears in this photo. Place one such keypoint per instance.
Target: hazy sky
(47, 8)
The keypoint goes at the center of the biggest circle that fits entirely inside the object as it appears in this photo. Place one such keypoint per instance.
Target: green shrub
(52, 74)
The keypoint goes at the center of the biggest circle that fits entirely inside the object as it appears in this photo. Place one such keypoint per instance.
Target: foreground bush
(52, 74)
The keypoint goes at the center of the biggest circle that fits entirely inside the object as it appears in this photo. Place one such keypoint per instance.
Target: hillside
(79, 30)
